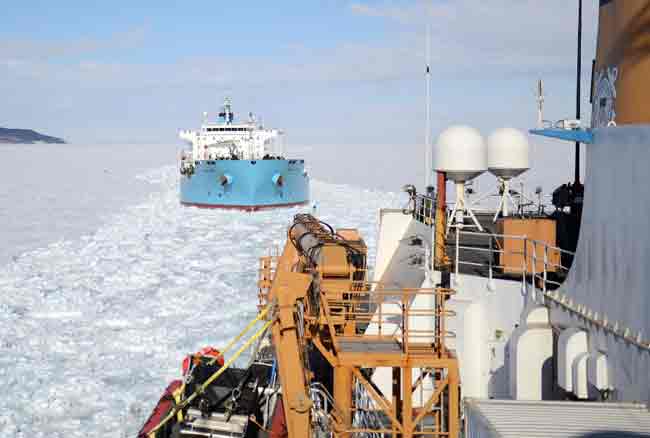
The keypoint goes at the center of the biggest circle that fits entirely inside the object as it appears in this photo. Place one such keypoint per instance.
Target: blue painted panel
(581, 135)
(246, 183)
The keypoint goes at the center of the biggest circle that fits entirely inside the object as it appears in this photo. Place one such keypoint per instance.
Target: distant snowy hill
(26, 136)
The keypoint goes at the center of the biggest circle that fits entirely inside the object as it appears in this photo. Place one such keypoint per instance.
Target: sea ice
(93, 327)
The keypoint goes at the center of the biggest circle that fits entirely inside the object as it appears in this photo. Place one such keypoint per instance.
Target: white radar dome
(461, 153)
(507, 153)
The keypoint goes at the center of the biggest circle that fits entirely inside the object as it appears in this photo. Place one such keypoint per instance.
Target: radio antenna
(578, 97)
(428, 160)
(540, 104)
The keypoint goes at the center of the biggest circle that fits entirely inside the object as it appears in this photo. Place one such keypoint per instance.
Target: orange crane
(323, 301)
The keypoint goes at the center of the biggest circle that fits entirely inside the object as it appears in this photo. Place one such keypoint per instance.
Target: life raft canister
(206, 352)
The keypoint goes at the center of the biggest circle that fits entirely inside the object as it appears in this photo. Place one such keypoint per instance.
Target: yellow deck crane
(322, 299)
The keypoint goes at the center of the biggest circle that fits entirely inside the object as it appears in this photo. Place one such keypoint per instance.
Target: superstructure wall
(610, 277)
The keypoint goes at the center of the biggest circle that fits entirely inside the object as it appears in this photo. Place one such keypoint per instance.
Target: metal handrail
(542, 281)
(392, 314)
(530, 259)
(423, 209)
(265, 274)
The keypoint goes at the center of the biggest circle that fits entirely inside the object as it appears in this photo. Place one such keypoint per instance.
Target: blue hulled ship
(239, 165)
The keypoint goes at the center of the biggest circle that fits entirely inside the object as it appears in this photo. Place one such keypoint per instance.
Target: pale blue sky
(344, 78)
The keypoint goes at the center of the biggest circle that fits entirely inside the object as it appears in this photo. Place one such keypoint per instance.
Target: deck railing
(423, 209)
(542, 273)
(391, 315)
(535, 262)
(544, 264)
(265, 275)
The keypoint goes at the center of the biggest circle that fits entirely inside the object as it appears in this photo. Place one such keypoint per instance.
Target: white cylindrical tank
(507, 153)
(461, 153)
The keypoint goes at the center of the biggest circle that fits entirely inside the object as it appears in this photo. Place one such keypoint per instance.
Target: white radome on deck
(507, 153)
(461, 153)
(507, 159)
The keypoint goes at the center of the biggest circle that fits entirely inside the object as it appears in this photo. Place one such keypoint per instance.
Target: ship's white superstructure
(226, 138)
(541, 334)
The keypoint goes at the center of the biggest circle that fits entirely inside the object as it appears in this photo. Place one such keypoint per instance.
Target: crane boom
(324, 304)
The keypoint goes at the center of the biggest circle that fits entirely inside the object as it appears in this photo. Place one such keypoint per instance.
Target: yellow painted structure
(322, 299)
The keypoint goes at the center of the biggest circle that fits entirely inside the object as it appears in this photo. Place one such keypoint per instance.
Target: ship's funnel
(621, 81)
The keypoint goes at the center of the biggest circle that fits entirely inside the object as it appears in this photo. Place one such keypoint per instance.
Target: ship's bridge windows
(228, 129)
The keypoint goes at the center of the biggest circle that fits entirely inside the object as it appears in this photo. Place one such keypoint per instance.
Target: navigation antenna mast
(540, 104)
(428, 161)
(578, 96)
(428, 153)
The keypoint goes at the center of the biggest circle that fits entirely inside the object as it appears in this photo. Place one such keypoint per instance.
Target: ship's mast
(227, 109)
(427, 134)
(578, 96)
(540, 104)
